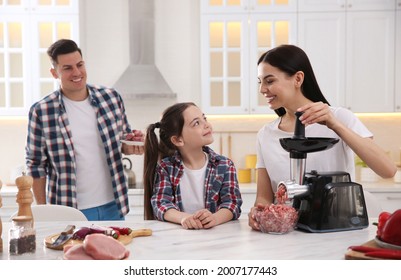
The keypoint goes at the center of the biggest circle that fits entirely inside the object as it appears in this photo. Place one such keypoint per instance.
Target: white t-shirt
(192, 188)
(94, 187)
(340, 157)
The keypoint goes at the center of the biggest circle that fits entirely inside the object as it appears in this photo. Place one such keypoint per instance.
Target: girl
(289, 85)
(185, 181)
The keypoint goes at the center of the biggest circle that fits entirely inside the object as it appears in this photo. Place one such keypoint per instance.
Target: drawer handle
(393, 198)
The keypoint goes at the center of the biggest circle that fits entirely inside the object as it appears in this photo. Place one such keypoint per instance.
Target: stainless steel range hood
(142, 79)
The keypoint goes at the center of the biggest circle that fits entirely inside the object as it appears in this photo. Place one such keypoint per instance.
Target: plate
(133, 143)
(387, 245)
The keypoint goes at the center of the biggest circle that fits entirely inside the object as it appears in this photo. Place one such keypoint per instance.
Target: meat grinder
(325, 201)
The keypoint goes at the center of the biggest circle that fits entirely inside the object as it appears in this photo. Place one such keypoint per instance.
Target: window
(27, 29)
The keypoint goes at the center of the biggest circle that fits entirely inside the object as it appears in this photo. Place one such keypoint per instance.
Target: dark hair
(62, 46)
(291, 59)
(170, 125)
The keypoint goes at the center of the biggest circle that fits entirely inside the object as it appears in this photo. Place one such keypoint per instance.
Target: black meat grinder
(325, 201)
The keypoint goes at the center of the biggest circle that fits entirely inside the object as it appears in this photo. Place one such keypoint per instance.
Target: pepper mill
(24, 195)
(1, 223)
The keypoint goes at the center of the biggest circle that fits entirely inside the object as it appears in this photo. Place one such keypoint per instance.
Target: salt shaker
(22, 236)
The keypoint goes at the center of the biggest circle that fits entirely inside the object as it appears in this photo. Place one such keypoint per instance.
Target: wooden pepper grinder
(1, 224)
(24, 195)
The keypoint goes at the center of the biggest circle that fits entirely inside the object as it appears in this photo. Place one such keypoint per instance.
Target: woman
(289, 85)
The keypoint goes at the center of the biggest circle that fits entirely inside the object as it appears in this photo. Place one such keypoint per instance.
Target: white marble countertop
(233, 240)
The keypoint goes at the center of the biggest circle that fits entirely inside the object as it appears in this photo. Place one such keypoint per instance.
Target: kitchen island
(231, 241)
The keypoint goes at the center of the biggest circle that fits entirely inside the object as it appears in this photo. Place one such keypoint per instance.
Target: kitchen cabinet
(341, 5)
(233, 36)
(351, 45)
(27, 29)
(389, 200)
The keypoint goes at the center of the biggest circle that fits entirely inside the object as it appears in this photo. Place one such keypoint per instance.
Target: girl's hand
(207, 219)
(190, 222)
(317, 112)
(251, 216)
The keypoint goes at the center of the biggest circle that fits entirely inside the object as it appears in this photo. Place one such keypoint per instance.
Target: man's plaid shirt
(50, 148)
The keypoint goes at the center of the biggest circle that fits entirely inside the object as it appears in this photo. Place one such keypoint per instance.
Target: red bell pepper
(383, 217)
(393, 254)
(122, 230)
(391, 232)
(374, 252)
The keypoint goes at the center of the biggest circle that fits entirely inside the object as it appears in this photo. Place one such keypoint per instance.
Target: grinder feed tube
(286, 190)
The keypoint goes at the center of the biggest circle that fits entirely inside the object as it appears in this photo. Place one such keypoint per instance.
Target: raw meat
(76, 252)
(277, 218)
(103, 247)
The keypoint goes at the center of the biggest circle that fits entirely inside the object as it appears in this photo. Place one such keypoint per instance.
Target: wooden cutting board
(124, 239)
(354, 255)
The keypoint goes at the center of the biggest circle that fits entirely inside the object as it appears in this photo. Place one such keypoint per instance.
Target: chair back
(52, 212)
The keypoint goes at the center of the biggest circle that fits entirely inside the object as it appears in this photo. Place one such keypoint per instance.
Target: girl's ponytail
(150, 162)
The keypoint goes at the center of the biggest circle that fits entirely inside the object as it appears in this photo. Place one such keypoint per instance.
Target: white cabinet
(135, 200)
(232, 39)
(27, 29)
(389, 200)
(340, 5)
(351, 46)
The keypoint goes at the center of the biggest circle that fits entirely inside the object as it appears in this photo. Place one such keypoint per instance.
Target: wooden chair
(51, 212)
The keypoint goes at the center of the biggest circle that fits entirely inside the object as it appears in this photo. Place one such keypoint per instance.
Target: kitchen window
(27, 29)
(234, 34)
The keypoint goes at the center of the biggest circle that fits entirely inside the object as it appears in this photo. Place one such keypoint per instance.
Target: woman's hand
(317, 112)
(251, 216)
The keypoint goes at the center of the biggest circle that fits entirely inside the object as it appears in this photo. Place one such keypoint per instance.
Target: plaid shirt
(50, 148)
(221, 185)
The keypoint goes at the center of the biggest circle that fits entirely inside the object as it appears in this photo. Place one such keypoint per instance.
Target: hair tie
(157, 125)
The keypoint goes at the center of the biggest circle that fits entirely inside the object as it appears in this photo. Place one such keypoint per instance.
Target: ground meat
(277, 218)
(281, 194)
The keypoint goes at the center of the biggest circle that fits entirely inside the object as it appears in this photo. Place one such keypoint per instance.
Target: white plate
(133, 143)
(387, 245)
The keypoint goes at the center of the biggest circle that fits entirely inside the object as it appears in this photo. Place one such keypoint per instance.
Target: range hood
(142, 79)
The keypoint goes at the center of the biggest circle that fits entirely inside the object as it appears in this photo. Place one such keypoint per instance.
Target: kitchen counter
(232, 240)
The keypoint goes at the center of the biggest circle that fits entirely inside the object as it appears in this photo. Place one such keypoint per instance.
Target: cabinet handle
(393, 197)
(350, 6)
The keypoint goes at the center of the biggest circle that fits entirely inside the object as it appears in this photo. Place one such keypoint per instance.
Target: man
(73, 141)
